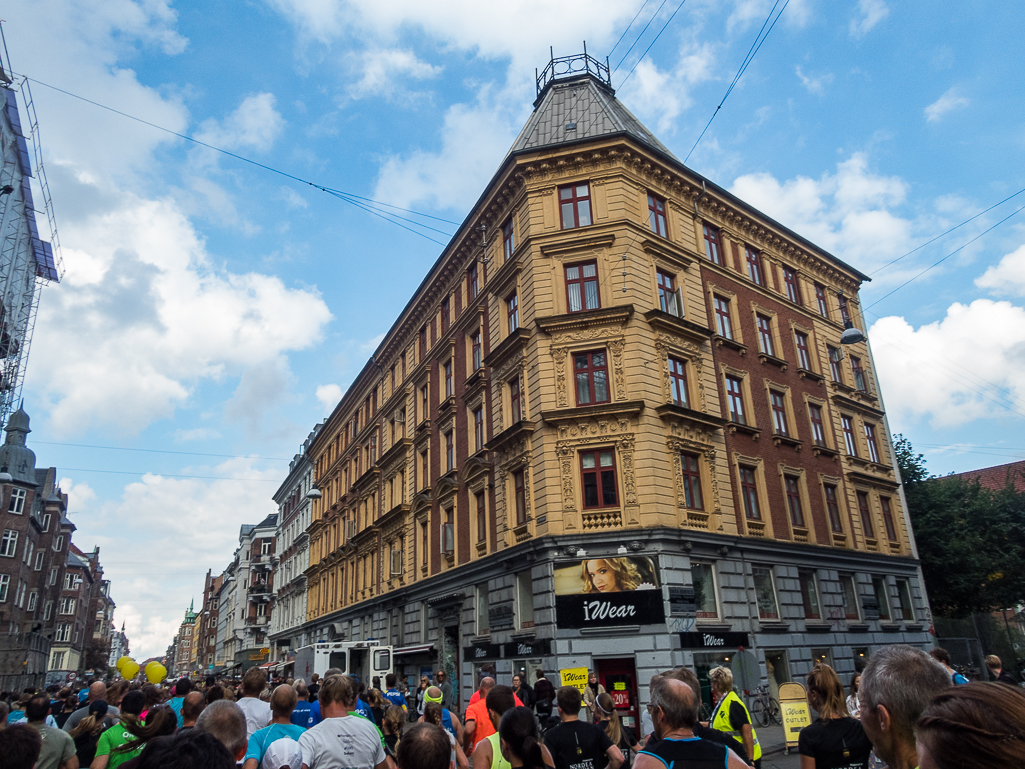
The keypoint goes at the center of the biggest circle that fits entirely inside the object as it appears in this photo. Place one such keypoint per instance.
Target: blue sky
(216, 308)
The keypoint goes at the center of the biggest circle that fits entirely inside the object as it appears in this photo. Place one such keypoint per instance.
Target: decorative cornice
(573, 321)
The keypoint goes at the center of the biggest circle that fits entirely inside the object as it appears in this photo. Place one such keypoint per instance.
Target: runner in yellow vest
(731, 714)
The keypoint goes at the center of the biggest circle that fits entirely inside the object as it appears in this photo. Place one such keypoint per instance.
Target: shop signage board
(793, 709)
(521, 649)
(714, 640)
(574, 677)
(482, 652)
(681, 601)
(609, 592)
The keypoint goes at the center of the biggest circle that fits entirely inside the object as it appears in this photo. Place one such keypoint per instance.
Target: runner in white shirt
(257, 711)
(341, 741)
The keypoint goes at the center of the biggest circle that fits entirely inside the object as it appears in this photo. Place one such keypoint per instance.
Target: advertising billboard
(608, 592)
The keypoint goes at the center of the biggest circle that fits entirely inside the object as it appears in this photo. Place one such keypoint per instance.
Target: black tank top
(690, 753)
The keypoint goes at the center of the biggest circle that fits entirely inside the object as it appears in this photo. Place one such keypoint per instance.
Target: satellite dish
(852, 336)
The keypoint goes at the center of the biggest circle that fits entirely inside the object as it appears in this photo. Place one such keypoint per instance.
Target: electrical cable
(958, 226)
(755, 46)
(945, 258)
(627, 28)
(345, 196)
(652, 43)
(166, 475)
(163, 451)
(639, 36)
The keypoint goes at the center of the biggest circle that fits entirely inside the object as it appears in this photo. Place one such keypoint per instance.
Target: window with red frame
(450, 452)
(833, 509)
(793, 489)
(723, 322)
(423, 341)
(445, 314)
(891, 528)
(512, 309)
(691, 481)
(765, 335)
(866, 514)
(582, 287)
(402, 359)
(669, 297)
(820, 300)
(803, 350)
(818, 428)
(425, 404)
(848, 435)
(678, 381)
(834, 364)
(478, 428)
(448, 378)
(448, 533)
(860, 381)
(749, 493)
(779, 412)
(793, 288)
(520, 489)
(754, 266)
(472, 285)
(713, 244)
(870, 439)
(598, 478)
(657, 215)
(508, 240)
(514, 400)
(482, 517)
(735, 399)
(475, 351)
(845, 315)
(592, 377)
(575, 206)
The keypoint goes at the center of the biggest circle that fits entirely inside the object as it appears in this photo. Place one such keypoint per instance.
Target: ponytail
(519, 732)
(532, 755)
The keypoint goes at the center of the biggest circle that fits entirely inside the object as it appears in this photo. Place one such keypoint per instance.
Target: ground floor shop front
(768, 610)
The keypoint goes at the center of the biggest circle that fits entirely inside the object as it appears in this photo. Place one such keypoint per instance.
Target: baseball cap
(283, 753)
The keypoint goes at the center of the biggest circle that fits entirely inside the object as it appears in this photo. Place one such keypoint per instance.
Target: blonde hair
(607, 710)
(627, 575)
(824, 681)
(721, 679)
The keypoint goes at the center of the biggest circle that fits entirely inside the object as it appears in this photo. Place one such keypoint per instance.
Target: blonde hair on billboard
(627, 575)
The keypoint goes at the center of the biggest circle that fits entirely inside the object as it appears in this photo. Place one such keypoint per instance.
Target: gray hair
(905, 680)
(676, 699)
(225, 721)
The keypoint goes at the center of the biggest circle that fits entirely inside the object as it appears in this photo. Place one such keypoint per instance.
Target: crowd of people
(907, 709)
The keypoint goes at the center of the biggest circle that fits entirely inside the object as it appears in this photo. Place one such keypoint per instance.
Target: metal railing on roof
(572, 66)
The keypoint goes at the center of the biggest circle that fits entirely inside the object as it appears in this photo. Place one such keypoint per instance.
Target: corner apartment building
(184, 643)
(288, 612)
(621, 434)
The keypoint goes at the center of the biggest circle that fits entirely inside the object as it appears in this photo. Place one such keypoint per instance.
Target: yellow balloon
(121, 661)
(155, 672)
(130, 670)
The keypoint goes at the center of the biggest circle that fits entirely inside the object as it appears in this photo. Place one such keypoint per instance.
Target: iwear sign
(574, 677)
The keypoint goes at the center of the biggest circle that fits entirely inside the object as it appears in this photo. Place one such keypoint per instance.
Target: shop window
(703, 580)
(765, 593)
(592, 379)
(575, 206)
(882, 593)
(598, 479)
(525, 600)
(582, 287)
(907, 610)
(851, 608)
(809, 595)
(657, 215)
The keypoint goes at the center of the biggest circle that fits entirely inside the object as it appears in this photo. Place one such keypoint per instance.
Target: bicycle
(765, 709)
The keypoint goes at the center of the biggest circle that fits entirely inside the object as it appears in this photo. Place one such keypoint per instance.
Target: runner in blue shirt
(393, 695)
(302, 715)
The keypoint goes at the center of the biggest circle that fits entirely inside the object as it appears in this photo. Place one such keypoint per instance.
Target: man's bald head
(192, 706)
(97, 691)
(673, 704)
(687, 676)
(282, 701)
(487, 683)
(433, 694)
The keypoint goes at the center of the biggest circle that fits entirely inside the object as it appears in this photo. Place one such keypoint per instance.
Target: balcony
(259, 591)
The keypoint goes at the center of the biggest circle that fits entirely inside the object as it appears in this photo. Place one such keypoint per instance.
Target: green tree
(971, 541)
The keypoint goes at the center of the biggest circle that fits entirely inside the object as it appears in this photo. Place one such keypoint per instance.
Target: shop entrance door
(619, 677)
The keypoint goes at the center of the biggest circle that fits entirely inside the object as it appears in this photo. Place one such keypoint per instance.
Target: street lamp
(850, 335)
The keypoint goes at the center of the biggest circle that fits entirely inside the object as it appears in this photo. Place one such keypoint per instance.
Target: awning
(407, 650)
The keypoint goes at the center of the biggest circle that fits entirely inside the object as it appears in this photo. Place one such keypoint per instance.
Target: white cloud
(384, 71)
(815, 85)
(141, 317)
(329, 395)
(1008, 276)
(188, 525)
(941, 370)
(254, 125)
(946, 103)
(661, 96)
(196, 434)
(79, 494)
(870, 13)
(747, 12)
(847, 212)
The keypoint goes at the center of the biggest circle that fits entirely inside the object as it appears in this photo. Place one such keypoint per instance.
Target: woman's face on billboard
(602, 576)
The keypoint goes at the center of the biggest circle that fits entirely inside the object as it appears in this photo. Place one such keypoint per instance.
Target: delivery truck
(362, 659)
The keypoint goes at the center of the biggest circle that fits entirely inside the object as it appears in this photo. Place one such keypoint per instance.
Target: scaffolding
(27, 261)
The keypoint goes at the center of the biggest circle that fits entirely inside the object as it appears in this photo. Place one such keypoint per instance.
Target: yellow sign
(574, 677)
(619, 686)
(795, 717)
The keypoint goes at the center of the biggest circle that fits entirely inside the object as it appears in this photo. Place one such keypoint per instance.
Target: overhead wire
(652, 43)
(639, 36)
(628, 27)
(167, 475)
(163, 451)
(755, 46)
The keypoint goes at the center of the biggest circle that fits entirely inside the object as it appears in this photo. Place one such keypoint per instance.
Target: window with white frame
(765, 593)
(33, 599)
(39, 560)
(5, 586)
(47, 611)
(703, 580)
(63, 634)
(9, 543)
(67, 606)
(17, 505)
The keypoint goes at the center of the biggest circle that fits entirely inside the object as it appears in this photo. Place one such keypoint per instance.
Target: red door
(619, 677)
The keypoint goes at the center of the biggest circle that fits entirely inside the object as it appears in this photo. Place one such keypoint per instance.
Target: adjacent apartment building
(619, 433)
